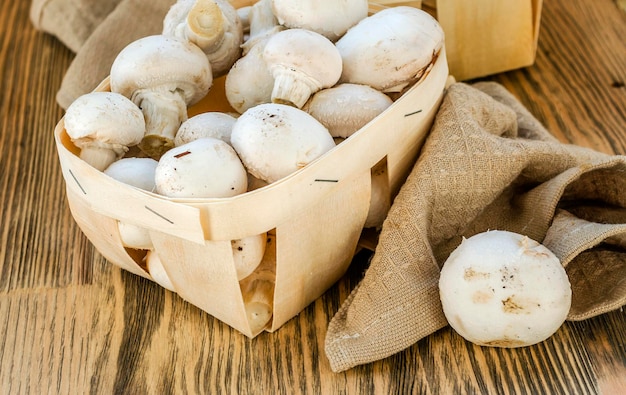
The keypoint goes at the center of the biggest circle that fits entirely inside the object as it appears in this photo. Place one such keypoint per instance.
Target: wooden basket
(313, 218)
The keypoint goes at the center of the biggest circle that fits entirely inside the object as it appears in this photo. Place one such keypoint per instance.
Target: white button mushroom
(503, 289)
(248, 253)
(203, 168)
(346, 108)
(263, 24)
(391, 49)
(275, 140)
(330, 18)
(103, 125)
(139, 173)
(208, 124)
(244, 17)
(213, 25)
(302, 62)
(258, 292)
(162, 75)
(249, 82)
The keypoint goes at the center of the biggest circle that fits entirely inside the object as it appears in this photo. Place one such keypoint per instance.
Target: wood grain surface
(71, 323)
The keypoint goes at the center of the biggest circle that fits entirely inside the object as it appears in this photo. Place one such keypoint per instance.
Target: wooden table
(72, 323)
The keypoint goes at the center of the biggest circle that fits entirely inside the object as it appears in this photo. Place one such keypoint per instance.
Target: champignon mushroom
(139, 173)
(103, 125)
(162, 75)
(244, 17)
(212, 25)
(249, 82)
(346, 108)
(258, 290)
(330, 18)
(248, 253)
(275, 140)
(263, 24)
(391, 49)
(503, 289)
(302, 62)
(203, 168)
(208, 124)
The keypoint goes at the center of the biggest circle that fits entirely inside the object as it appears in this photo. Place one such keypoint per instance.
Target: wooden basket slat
(94, 225)
(204, 275)
(315, 248)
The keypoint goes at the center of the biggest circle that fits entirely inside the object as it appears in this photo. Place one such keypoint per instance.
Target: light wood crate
(485, 37)
(314, 217)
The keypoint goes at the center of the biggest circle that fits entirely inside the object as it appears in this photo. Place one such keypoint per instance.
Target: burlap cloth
(97, 30)
(487, 164)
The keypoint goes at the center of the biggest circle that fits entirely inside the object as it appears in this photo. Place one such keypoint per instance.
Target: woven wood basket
(313, 218)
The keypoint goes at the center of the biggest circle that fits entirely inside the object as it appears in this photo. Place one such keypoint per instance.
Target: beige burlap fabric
(97, 30)
(487, 164)
(71, 21)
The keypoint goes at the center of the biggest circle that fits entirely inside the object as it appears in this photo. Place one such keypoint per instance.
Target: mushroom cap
(306, 52)
(391, 49)
(346, 108)
(136, 172)
(208, 124)
(275, 140)
(161, 62)
(104, 119)
(330, 18)
(203, 168)
(248, 253)
(249, 82)
(500, 288)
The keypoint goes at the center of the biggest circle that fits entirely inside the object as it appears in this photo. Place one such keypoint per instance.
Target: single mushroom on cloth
(503, 289)
(487, 163)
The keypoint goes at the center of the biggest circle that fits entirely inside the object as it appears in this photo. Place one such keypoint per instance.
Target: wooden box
(313, 218)
(485, 37)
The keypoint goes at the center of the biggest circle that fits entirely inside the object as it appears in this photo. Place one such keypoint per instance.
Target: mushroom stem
(205, 25)
(263, 23)
(292, 88)
(98, 156)
(164, 112)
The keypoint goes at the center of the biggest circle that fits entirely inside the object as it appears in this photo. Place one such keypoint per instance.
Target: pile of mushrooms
(300, 76)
